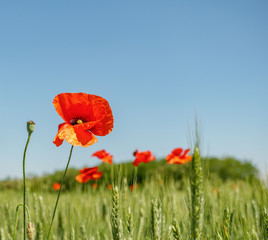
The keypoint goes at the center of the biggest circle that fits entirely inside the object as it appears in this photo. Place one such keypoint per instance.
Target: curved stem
(24, 187)
(62, 179)
(16, 218)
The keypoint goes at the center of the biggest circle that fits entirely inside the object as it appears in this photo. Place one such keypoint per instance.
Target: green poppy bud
(31, 232)
(30, 126)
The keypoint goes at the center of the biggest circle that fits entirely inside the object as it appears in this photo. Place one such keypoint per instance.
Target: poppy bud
(31, 231)
(30, 126)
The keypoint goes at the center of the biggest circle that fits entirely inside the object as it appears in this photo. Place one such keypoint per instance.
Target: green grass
(85, 213)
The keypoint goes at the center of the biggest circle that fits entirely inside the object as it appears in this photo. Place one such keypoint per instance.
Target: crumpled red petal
(74, 136)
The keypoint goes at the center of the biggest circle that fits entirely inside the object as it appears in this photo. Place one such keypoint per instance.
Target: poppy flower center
(76, 121)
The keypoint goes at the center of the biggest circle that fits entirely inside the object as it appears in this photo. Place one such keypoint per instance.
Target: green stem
(16, 218)
(113, 175)
(135, 180)
(24, 187)
(62, 179)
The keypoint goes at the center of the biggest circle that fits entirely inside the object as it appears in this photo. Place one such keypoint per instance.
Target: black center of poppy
(76, 121)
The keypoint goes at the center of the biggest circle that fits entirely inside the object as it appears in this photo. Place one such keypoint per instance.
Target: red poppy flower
(104, 156)
(110, 186)
(178, 156)
(84, 116)
(134, 186)
(56, 186)
(87, 174)
(142, 157)
(94, 186)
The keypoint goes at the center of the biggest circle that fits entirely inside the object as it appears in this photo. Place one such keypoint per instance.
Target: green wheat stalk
(116, 222)
(155, 220)
(197, 197)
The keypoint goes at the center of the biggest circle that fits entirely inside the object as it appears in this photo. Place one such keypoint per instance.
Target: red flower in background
(142, 157)
(56, 186)
(178, 156)
(134, 186)
(87, 174)
(110, 186)
(84, 116)
(104, 156)
(94, 186)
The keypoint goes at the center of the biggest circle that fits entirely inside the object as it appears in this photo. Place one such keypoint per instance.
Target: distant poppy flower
(160, 182)
(110, 186)
(133, 186)
(84, 115)
(142, 157)
(178, 156)
(94, 186)
(87, 174)
(104, 156)
(215, 190)
(235, 187)
(56, 186)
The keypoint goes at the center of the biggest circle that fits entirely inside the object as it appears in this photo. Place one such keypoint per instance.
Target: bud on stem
(30, 126)
(31, 232)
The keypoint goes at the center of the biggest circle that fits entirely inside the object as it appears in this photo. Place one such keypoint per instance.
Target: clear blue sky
(156, 62)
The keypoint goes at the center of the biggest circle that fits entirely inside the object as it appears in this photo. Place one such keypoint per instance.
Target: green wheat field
(229, 202)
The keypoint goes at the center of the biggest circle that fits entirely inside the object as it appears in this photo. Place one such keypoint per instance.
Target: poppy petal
(136, 162)
(185, 153)
(108, 159)
(96, 175)
(105, 125)
(86, 138)
(65, 105)
(104, 156)
(177, 151)
(145, 157)
(57, 140)
(87, 174)
(82, 178)
(168, 157)
(86, 125)
(72, 105)
(76, 138)
(100, 154)
(79, 178)
(88, 170)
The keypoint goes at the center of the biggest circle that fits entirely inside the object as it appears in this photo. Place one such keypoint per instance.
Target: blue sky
(158, 63)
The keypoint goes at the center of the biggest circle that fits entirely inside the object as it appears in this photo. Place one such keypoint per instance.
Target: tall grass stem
(62, 179)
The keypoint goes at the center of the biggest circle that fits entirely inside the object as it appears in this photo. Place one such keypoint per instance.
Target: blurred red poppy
(110, 186)
(235, 187)
(142, 157)
(84, 116)
(56, 186)
(104, 156)
(134, 186)
(178, 156)
(87, 174)
(215, 190)
(94, 186)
